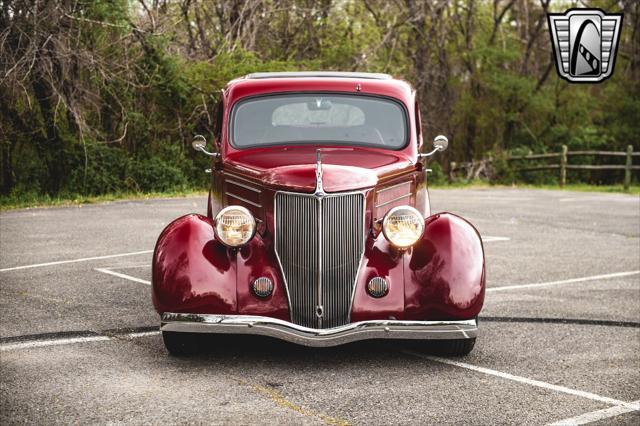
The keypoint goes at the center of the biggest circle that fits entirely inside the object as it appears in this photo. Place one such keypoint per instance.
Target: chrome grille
(319, 242)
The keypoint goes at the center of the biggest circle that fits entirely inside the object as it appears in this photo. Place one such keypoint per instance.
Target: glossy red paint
(380, 260)
(257, 260)
(241, 88)
(441, 277)
(192, 272)
(444, 273)
(294, 167)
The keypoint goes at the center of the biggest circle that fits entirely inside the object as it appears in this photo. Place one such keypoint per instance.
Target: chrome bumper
(284, 330)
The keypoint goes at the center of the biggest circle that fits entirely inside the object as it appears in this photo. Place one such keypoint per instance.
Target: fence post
(452, 167)
(627, 169)
(563, 166)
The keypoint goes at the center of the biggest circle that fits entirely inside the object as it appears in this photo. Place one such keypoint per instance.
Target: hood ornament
(319, 192)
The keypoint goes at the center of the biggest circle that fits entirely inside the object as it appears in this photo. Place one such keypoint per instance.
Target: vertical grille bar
(319, 242)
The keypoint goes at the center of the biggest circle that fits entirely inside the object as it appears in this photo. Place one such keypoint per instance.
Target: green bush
(102, 170)
(437, 175)
(503, 170)
(108, 169)
(128, 93)
(155, 175)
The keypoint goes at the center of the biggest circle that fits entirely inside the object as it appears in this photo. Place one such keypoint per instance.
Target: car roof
(300, 82)
(326, 74)
(322, 81)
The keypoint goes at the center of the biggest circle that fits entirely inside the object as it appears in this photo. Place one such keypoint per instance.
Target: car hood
(343, 168)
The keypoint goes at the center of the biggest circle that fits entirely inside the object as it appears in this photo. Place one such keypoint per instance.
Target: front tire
(458, 347)
(180, 344)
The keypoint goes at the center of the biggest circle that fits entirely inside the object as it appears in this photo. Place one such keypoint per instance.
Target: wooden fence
(564, 163)
(477, 168)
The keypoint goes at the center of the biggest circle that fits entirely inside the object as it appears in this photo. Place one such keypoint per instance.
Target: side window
(217, 125)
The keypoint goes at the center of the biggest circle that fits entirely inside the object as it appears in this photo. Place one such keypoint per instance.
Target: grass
(33, 200)
(583, 187)
(579, 187)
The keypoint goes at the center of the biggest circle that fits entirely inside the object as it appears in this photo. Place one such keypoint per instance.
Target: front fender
(444, 272)
(192, 271)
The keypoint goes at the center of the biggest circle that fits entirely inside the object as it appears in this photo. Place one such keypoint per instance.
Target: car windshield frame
(344, 143)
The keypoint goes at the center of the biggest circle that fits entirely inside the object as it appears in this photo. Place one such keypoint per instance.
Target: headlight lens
(403, 226)
(235, 226)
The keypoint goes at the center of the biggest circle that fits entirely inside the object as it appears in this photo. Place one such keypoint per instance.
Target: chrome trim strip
(232, 176)
(284, 330)
(243, 186)
(319, 308)
(402, 173)
(365, 234)
(275, 250)
(394, 200)
(319, 194)
(243, 199)
(394, 186)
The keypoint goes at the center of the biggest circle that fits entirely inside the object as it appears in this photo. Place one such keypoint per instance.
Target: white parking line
(131, 266)
(84, 259)
(51, 342)
(531, 382)
(142, 334)
(125, 276)
(71, 340)
(569, 281)
(488, 290)
(595, 416)
(487, 239)
(602, 198)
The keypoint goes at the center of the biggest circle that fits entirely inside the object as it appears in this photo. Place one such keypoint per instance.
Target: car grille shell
(319, 243)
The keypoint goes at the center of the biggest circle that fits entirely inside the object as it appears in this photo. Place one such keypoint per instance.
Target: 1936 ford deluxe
(319, 229)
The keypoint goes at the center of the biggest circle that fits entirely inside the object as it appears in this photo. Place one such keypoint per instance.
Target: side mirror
(440, 142)
(199, 143)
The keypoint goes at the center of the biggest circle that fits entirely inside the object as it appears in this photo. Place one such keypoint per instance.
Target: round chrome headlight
(234, 226)
(403, 226)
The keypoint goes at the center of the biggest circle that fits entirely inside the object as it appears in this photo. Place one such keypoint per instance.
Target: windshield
(319, 119)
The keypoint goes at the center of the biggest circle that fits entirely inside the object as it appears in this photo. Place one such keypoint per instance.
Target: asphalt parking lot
(560, 331)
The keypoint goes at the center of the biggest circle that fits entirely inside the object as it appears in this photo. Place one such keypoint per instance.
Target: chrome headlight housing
(234, 226)
(403, 226)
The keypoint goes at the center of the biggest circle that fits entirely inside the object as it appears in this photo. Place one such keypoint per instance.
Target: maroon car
(318, 228)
